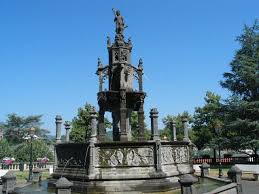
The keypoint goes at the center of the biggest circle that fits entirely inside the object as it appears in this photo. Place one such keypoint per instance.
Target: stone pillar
(101, 126)
(91, 166)
(174, 130)
(186, 182)
(204, 169)
(185, 128)
(141, 123)
(58, 128)
(36, 175)
(93, 116)
(8, 181)
(123, 116)
(67, 128)
(235, 174)
(154, 124)
(63, 186)
(100, 74)
(140, 74)
(158, 162)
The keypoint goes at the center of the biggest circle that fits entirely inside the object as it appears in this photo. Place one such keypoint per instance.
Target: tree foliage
(167, 131)
(135, 127)
(206, 120)
(5, 149)
(241, 110)
(81, 130)
(39, 150)
(16, 127)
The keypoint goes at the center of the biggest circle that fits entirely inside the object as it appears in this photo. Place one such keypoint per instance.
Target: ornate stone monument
(122, 166)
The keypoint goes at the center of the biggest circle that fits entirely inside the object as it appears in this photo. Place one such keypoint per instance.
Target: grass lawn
(22, 176)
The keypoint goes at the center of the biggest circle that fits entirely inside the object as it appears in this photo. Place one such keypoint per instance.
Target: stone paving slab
(250, 187)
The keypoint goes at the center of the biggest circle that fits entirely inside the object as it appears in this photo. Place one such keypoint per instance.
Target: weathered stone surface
(8, 182)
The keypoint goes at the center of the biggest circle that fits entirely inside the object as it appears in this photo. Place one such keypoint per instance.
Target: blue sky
(49, 51)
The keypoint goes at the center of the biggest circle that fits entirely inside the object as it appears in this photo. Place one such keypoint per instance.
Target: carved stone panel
(174, 155)
(124, 157)
(72, 155)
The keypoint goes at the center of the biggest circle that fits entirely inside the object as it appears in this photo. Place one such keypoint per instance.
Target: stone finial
(99, 62)
(140, 64)
(8, 181)
(63, 186)
(108, 41)
(204, 169)
(36, 175)
(186, 182)
(235, 174)
(63, 183)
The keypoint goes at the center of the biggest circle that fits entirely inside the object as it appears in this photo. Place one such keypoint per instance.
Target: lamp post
(31, 133)
(218, 131)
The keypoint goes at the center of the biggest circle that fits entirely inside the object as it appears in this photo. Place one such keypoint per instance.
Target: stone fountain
(123, 165)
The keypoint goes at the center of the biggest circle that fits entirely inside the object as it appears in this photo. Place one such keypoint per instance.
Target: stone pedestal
(235, 174)
(185, 128)
(63, 186)
(67, 128)
(58, 128)
(93, 115)
(36, 175)
(8, 181)
(173, 127)
(154, 124)
(186, 182)
(204, 169)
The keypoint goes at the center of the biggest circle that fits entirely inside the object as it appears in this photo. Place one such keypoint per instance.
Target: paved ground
(249, 187)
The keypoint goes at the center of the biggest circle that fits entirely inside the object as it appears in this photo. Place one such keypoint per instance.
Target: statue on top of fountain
(120, 26)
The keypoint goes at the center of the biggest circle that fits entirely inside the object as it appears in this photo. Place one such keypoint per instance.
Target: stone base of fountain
(123, 166)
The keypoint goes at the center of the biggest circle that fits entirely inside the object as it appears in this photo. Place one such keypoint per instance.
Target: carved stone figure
(120, 26)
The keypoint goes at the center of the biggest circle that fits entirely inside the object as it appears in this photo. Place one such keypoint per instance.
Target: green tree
(81, 130)
(39, 150)
(5, 149)
(16, 127)
(241, 110)
(167, 131)
(206, 119)
(135, 127)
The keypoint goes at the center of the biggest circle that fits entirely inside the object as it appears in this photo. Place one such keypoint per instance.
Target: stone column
(185, 127)
(8, 182)
(93, 116)
(63, 186)
(235, 174)
(174, 130)
(186, 182)
(140, 73)
(123, 116)
(158, 161)
(154, 124)
(100, 74)
(58, 128)
(204, 169)
(141, 123)
(67, 128)
(101, 126)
